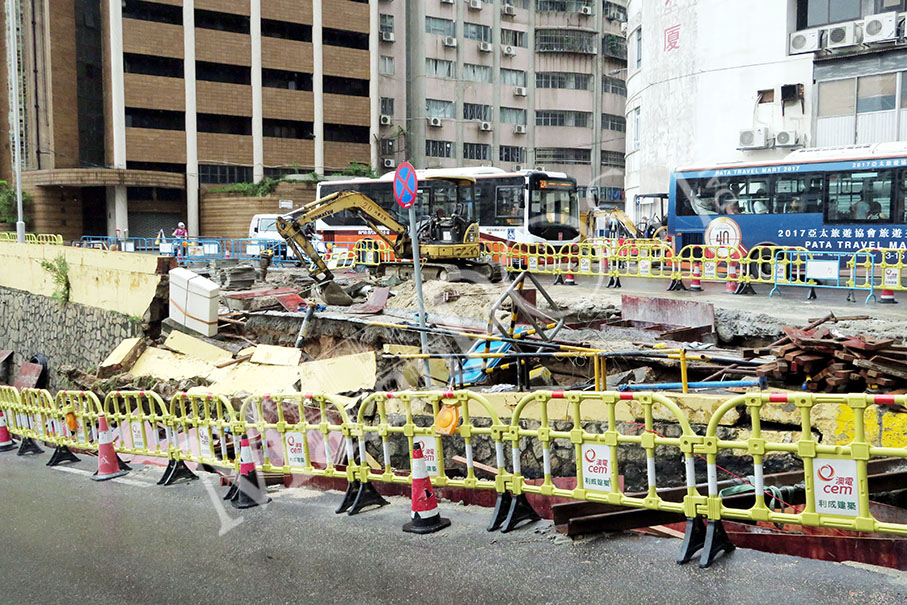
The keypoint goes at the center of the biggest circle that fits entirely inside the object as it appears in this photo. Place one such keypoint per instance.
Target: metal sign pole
(417, 275)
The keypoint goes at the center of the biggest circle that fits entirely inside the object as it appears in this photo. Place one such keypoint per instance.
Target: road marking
(123, 480)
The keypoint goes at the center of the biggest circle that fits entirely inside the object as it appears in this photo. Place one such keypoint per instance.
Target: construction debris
(230, 275)
(122, 357)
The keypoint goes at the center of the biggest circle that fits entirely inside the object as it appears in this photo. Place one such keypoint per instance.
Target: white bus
(530, 207)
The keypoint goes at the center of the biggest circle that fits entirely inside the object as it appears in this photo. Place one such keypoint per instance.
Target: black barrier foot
(366, 496)
(349, 496)
(716, 541)
(745, 289)
(207, 468)
(123, 466)
(610, 283)
(693, 539)
(812, 294)
(617, 283)
(176, 471)
(62, 455)
(28, 446)
(231, 493)
(520, 510)
(851, 297)
(500, 511)
(558, 280)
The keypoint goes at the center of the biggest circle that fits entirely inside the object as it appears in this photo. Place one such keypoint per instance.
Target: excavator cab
(447, 208)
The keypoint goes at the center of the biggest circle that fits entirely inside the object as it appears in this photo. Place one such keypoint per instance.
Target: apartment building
(128, 106)
(510, 83)
(713, 81)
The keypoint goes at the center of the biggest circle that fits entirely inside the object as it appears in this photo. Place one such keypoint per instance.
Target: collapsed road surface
(69, 539)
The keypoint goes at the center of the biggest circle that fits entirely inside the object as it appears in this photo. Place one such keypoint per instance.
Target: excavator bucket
(332, 294)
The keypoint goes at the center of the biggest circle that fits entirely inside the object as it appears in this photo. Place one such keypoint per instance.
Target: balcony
(566, 41)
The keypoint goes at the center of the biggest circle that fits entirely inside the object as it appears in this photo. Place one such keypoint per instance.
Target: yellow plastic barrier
(31, 238)
(373, 252)
(49, 239)
(202, 430)
(596, 454)
(46, 420)
(80, 411)
(535, 258)
(714, 263)
(283, 422)
(493, 252)
(760, 264)
(647, 258)
(139, 419)
(11, 405)
(394, 435)
(837, 485)
(889, 267)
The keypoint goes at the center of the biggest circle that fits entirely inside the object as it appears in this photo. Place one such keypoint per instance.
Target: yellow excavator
(449, 245)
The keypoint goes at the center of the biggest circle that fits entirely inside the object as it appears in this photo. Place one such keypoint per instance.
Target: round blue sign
(405, 185)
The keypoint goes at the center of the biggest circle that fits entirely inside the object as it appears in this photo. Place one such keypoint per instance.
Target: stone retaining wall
(67, 334)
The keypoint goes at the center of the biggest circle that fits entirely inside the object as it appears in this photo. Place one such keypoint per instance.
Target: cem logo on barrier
(406, 185)
(836, 487)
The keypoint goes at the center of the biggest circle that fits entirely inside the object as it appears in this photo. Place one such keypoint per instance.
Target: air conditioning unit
(389, 163)
(434, 122)
(508, 50)
(387, 36)
(755, 138)
(450, 42)
(386, 120)
(520, 91)
(475, 5)
(519, 129)
(840, 36)
(787, 138)
(880, 28)
(585, 10)
(508, 10)
(517, 168)
(485, 47)
(806, 41)
(485, 126)
(447, 1)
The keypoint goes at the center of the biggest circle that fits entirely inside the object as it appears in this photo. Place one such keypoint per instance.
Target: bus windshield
(553, 209)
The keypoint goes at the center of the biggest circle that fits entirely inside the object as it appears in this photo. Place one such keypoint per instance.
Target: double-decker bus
(512, 207)
(840, 199)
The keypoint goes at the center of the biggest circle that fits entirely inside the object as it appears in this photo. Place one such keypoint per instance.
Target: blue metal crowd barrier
(838, 270)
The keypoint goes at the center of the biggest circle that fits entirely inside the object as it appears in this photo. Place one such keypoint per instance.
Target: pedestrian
(180, 234)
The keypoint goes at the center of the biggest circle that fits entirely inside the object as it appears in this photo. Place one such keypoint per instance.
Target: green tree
(9, 212)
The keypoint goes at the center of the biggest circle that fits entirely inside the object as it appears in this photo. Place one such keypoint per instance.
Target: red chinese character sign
(405, 185)
(672, 38)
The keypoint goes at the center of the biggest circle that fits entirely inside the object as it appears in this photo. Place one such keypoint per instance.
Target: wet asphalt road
(64, 539)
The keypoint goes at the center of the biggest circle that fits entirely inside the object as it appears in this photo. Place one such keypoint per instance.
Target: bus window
(509, 205)
(798, 194)
(753, 196)
(859, 197)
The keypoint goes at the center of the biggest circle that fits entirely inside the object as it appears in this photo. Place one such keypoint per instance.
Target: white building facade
(712, 81)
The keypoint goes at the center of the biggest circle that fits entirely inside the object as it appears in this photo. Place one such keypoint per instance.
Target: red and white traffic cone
(887, 298)
(730, 287)
(426, 518)
(568, 280)
(695, 283)
(251, 492)
(108, 463)
(6, 440)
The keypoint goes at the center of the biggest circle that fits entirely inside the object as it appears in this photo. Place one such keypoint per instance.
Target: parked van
(264, 226)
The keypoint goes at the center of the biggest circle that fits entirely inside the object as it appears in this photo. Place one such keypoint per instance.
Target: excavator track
(449, 272)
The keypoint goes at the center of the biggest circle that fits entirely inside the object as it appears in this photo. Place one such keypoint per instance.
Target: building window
(441, 27)
(477, 73)
(387, 106)
(615, 86)
(513, 115)
(225, 22)
(338, 85)
(565, 41)
(811, 13)
(386, 25)
(837, 98)
(344, 38)
(561, 6)
(218, 175)
(439, 149)
(152, 11)
(876, 93)
(474, 111)
(861, 110)
(286, 30)
(156, 119)
(557, 117)
(615, 123)
(614, 159)
(563, 155)
(386, 65)
(474, 31)
(222, 72)
(440, 68)
(636, 127)
(513, 37)
(638, 48)
(291, 80)
(436, 108)
(615, 12)
(512, 153)
(513, 77)
(562, 79)
(287, 129)
(150, 65)
(476, 151)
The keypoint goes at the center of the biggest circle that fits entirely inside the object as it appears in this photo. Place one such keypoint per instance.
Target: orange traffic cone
(250, 490)
(108, 462)
(887, 298)
(6, 440)
(695, 283)
(425, 516)
(730, 287)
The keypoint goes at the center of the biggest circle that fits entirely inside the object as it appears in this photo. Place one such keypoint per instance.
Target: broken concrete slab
(165, 365)
(256, 300)
(276, 356)
(346, 374)
(122, 358)
(196, 348)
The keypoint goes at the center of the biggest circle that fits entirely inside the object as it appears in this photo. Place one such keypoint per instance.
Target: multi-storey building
(715, 81)
(508, 83)
(129, 105)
